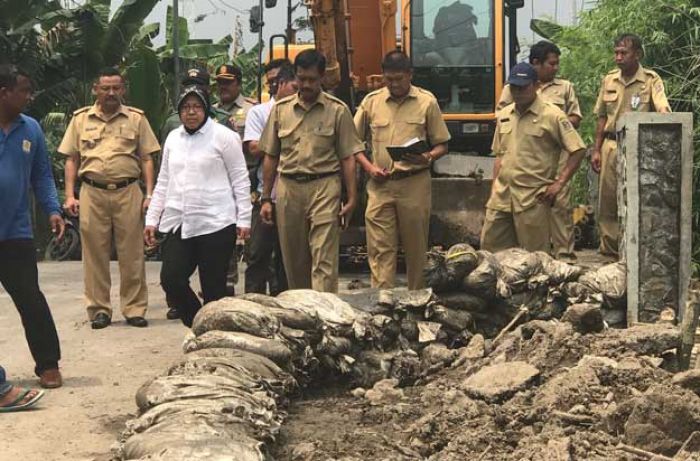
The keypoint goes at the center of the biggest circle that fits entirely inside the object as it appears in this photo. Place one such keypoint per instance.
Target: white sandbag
(286, 312)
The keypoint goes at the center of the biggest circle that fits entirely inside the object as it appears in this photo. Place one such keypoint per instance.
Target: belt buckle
(111, 186)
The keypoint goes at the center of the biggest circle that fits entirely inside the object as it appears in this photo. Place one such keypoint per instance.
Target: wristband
(265, 200)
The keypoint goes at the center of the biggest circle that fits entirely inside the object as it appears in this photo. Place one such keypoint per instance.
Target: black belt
(396, 175)
(109, 186)
(303, 177)
(610, 136)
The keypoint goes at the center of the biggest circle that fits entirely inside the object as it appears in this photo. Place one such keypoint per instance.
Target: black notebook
(413, 146)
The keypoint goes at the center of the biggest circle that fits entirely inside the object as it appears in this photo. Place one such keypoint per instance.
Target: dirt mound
(594, 394)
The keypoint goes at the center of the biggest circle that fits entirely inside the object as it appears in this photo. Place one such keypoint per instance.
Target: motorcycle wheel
(65, 250)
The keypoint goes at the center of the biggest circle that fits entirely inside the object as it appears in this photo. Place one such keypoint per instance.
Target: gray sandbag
(273, 349)
(234, 314)
(445, 272)
(608, 283)
(482, 280)
(453, 320)
(332, 311)
(460, 259)
(463, 302)
(193, 437)
(287, 313)
(248, 366)
(517, 266)
(557, 271)
(414, 300)
(435, 271)
(163, 389)
(256, 364)
(334, 346)
(379, 331)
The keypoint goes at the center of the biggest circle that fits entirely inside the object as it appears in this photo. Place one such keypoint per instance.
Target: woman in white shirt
(201, 202)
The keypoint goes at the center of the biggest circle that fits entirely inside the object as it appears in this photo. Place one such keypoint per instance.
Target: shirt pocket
(126, 140)
(381, 132)
(610, 99)
(558, 101)
(287, 140)
(413, 127)
(322, 138)
(89, 140)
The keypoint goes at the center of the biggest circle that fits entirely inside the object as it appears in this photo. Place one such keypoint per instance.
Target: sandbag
(482, 280)
(413, 300)
(609, 280)
(463, 302)
(558, 272)
(444, 272)
(249, 366)
(273, 349)
(247, 396)
(335, 313)
(255, 364)
(452, 319)
(193, 437)
(435, 272)
(517, 266)
(334, 346)
(287, 313)
(234, 314)
(378, 331)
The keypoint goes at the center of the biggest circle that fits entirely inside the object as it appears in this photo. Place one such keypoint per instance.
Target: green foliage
(670, 30)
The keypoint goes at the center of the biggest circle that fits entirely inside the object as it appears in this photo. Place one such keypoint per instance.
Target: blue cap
(522, 74)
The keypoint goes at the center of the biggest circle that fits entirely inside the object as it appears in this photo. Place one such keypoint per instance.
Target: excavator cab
(457, 51)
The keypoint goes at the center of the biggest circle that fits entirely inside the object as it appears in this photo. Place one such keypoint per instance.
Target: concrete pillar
(655, 207)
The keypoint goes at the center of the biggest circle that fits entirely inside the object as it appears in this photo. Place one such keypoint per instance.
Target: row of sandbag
(243, 359)
(499, 283)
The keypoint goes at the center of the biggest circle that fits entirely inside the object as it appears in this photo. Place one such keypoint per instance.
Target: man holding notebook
(399, 189)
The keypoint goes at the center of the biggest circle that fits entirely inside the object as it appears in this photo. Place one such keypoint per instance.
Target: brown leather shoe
(51, 379)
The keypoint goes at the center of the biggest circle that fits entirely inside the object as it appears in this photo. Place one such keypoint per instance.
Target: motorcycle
(69, 248)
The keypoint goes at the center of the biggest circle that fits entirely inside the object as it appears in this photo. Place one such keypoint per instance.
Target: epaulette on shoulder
(334, 99)
(81, 110)
(371, 94)
(651, 72)
(285, 100)
(134, 109)
(614, 71)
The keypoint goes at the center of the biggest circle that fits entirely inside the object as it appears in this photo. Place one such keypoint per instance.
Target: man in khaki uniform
(629, 88)
(311, 137)
(530, 135)
(544, 57)
(109, 146)
(399, 193)
(229, 79)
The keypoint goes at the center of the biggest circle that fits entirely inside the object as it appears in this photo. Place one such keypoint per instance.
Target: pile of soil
(543, 392)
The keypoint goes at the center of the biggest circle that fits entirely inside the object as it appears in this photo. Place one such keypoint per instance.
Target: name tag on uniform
(26, 146)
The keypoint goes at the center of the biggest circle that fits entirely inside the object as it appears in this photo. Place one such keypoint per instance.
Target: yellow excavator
(460, 50)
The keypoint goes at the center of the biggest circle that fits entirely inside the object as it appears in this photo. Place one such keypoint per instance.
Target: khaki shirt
(390, 123)
(559, 92)
(310, 140)
(238, 111)
(109, 148)
(643, 93)
(529, 146)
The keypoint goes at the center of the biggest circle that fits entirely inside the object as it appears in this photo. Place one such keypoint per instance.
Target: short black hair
(9, 75)
(541, 50)
(276, 64)
(286, 74)
(396, 61)
(310, 58)
(109, 72)
(632, 39)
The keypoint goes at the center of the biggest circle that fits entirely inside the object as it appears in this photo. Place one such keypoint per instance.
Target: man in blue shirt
(24, 164)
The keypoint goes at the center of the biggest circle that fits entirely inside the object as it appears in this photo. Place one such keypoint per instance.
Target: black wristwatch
(265, 200)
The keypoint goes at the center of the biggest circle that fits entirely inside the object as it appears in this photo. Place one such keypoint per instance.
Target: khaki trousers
(562, 222)
(309, 232)
(608, 224)
(528, 229)
(398, 211)
(103, 212)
